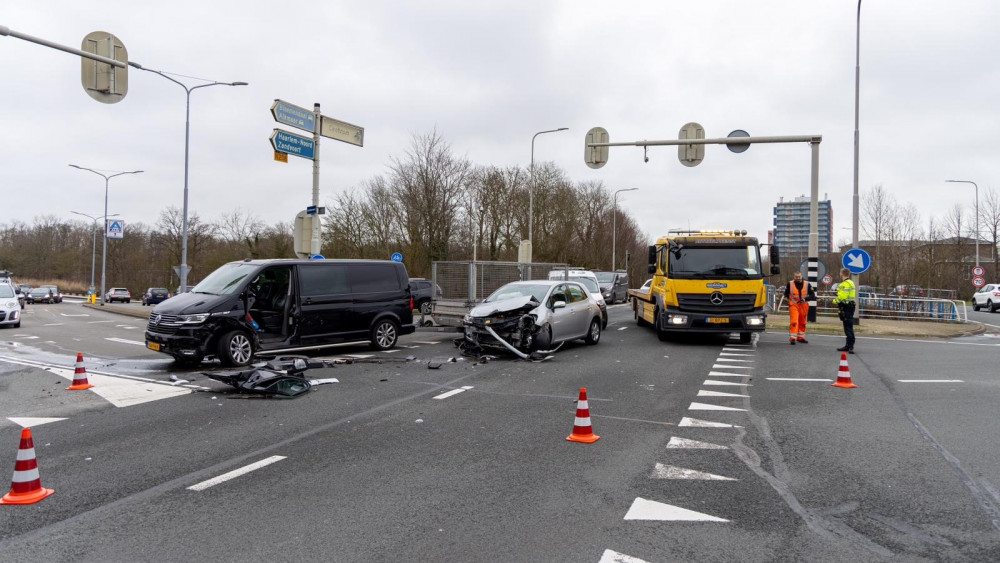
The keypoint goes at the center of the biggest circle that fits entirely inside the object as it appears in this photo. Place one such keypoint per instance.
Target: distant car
(117, 294)
(10, 308)
(154, 295)
(907, 291)
(39, 295)
(56, 294)
(532, 316)
(614, 286)
(988, 296)
(25, 288)
(866, 291)
(424, 292)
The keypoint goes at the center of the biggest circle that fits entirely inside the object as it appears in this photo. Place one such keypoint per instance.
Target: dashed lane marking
(725, 383)
(643, 509)
(724, 353)
(54, 324)
(453, 392)
(720, 359)
(123, 341)
(728, 366)
(661, 471)
(684, 443)
(708, 407)
(98, 322)
(393, 351)
(930, 381)
(235, 473)
(623, 328)
(726, 374)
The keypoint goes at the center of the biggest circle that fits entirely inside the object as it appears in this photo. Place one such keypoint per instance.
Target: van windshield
(605, 277)
(722, 262)
(227, 279)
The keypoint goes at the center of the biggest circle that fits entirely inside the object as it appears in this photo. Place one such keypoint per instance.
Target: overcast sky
(488, 76)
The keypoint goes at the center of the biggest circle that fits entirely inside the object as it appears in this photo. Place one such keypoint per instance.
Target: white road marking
(930, 381)
(123, 341)
(623, 328)
(725, 383)
(661, 471)
(795, 379)
(28, 337)
(360, 356)
(428, 342)
(708, 407)
(724, 353)
(725, 374)
(98, 322)
(733, 360)
(76, 315)
(684, 443)
(703, 393)
(614, 557)
(727, 366)
(54, 324)
(643, 509)
(25, 422)
(393, 351)
(697, 423)
(235, 473)
(452, 392)
(728, 349)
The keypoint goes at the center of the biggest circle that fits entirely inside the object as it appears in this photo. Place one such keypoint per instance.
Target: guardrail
(885, 307)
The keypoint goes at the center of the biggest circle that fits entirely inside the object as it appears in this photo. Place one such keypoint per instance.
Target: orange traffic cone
(582, 431)
(844, 375)
(25, 486)
(79, 376)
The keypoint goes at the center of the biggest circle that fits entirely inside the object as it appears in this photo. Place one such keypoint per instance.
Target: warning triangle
(684, 443)
(661, 471)
(708, 407)
(643, 509)
(26, 422)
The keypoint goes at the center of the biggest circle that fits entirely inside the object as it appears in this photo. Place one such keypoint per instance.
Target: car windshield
(536, 291)
(605, 277)
(227, 279)
(6, 291)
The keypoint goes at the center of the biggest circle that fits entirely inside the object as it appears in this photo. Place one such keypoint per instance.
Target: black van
(283, 305)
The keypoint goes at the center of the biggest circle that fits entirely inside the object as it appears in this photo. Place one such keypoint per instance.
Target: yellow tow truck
(705, 281)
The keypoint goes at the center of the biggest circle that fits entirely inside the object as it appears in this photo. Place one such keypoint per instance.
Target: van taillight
(411, 303)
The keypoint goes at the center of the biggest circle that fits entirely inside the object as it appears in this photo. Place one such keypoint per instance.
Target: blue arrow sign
(293, 115)
(857, 261)
(286, 142)
(396, 257)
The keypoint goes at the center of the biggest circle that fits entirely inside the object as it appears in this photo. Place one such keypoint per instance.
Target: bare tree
(989, 216)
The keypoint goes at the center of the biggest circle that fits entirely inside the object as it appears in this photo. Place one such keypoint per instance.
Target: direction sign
(857, 261)
(286, 142)
(341, 131)
(978, 271)
(293, 115)
(978, 281)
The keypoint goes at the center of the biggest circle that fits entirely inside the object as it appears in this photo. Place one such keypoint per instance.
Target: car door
(325, 301)
(561, 321)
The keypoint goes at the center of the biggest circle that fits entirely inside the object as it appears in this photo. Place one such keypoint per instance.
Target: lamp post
(857, 97)
(93, 245)
(977, 213)
(614, 225)
(104, 251)
(187, 137)
(531, 188)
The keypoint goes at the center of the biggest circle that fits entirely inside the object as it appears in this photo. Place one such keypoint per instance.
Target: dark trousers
(847, 316)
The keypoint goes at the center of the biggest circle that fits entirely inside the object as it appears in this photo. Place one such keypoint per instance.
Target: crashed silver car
(531, 317)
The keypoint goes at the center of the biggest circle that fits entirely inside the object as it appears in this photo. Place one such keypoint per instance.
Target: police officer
(798, 293)
(846, 301)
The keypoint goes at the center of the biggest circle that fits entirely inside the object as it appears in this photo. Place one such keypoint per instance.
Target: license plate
(153, 346)
(717, 320)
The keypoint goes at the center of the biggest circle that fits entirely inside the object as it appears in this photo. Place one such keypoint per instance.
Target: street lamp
(614, 225)
(187, 144)
(977, 213)
(531, 188)
(93, 245)
(104, 251)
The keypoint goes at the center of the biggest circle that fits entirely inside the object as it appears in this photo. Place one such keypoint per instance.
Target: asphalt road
(470, 462)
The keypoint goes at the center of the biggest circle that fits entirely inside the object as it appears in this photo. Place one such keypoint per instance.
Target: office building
(791, 226)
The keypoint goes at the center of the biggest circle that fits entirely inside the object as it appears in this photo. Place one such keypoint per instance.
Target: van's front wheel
(385, 333)
(235, 348)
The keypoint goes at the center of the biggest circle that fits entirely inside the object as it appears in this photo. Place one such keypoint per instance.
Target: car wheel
(594, 334)
(385, 333)
(425, 307)
(745, 337)
(975, 306)
(127, 301)
(989, 305)
(235, 348)
(17, 324)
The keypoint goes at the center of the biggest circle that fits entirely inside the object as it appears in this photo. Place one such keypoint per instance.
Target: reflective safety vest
(795, 294)
(845, 292)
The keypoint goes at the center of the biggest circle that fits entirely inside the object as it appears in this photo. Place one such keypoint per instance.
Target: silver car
(531, 317)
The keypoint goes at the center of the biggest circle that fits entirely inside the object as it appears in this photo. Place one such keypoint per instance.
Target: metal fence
(471, 281)
(883, 307)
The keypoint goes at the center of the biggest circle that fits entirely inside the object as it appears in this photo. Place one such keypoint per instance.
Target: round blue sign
(317, 257)
(396, 257)
(857, 261)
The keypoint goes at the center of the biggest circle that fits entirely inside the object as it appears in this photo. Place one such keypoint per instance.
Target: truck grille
(162, 324)
(703, 303)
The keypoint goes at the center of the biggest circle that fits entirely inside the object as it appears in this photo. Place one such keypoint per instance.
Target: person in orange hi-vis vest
(798, 293)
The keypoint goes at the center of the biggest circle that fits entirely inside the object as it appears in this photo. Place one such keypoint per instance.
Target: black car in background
(424, 292)
(40, 295)
(154, 295)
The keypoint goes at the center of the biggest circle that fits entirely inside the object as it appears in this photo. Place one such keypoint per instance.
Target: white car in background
(988, 297)
(10, 309)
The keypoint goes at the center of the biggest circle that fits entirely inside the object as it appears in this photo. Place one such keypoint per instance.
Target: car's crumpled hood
(525, 304)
